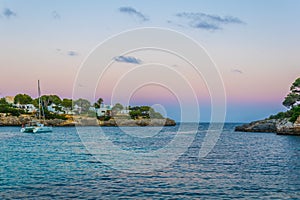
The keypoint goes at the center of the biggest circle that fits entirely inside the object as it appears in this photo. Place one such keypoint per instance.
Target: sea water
(58, 165)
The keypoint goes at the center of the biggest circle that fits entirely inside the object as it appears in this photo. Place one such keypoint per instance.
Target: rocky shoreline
(86, 121)
(278, 126)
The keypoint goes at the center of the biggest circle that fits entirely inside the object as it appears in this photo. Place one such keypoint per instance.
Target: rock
(286, 127)
(110, 122)
(54, 122)
(169, 122)
(258, 126)
(297, 122)
(140, 122)
(86, 121)
(13, 120)
(278, 126)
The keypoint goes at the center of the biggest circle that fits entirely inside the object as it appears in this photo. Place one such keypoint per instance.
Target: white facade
(124, 112)
(52, 108)
(103, 110)
(30, 108)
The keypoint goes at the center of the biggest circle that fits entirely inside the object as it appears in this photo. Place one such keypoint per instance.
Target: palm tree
(98, 103)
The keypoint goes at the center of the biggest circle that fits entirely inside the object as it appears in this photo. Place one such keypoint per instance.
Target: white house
(76, 109)
(30, 108)
(124, 112)
(68, 111)
(53, 108)
(104, 110)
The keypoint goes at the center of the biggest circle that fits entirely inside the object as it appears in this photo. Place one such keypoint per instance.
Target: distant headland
(283, 123)
(22, 108)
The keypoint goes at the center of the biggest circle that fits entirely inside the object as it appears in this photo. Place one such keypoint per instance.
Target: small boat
(28, 128)
(37, 126)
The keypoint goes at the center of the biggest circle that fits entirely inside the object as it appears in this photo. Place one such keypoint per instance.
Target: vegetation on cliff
(292, 102)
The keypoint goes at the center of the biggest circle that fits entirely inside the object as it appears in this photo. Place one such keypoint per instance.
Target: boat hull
(44, 129)
(27, 129)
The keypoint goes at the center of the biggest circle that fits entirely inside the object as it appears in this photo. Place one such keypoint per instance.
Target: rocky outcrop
(287, 128)
(127, 122)
(24, 119)
(258, 126)
(278, 126)
(86, 121)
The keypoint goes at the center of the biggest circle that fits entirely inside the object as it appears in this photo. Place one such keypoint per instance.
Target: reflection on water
(57, 165)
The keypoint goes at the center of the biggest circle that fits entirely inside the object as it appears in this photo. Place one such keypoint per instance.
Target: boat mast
(41, 108)
(39, 93)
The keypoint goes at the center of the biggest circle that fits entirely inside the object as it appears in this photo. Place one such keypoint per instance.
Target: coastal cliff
(278, 126)
(86, 121)
(283, 123)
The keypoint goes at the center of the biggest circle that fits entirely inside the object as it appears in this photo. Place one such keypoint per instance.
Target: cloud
(8, 13)
(55, 14)
(134, 12)
(206, 21)
(72, 53)
(127, 59)
(207, 26)
(237, 71)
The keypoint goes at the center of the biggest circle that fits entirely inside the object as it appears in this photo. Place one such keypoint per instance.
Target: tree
(134, 114)
(49, 99)
(155, 115)
(35, 102)
(22, 99)
(3, 101)
(98, 103)
(67, 103)
(45, 100)
(291, 99)
(117, 108)
(294, 96)
(55, 99)
(295, 88)
(83, 104)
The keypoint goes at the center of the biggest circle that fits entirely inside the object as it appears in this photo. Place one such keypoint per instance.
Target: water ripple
(57, 166)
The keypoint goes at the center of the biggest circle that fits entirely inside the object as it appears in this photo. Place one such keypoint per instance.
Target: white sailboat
(37, 126)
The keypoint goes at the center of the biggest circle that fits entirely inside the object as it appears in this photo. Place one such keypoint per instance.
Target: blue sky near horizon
(255, 45)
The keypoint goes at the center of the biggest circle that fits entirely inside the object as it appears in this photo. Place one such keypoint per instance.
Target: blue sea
(59, 165)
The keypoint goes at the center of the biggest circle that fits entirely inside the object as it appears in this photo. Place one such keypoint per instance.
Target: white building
(30, 108)
(76, 109)
(55, 108)
(124, 112)
(104, 110)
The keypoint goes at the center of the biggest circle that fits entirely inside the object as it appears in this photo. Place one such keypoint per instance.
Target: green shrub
(292, 114)
(8, 109)
(295, 113)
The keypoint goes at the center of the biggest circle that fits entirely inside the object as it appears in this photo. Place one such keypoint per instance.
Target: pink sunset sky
(256, 50)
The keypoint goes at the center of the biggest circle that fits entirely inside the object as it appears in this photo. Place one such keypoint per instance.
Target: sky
(254, 44)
